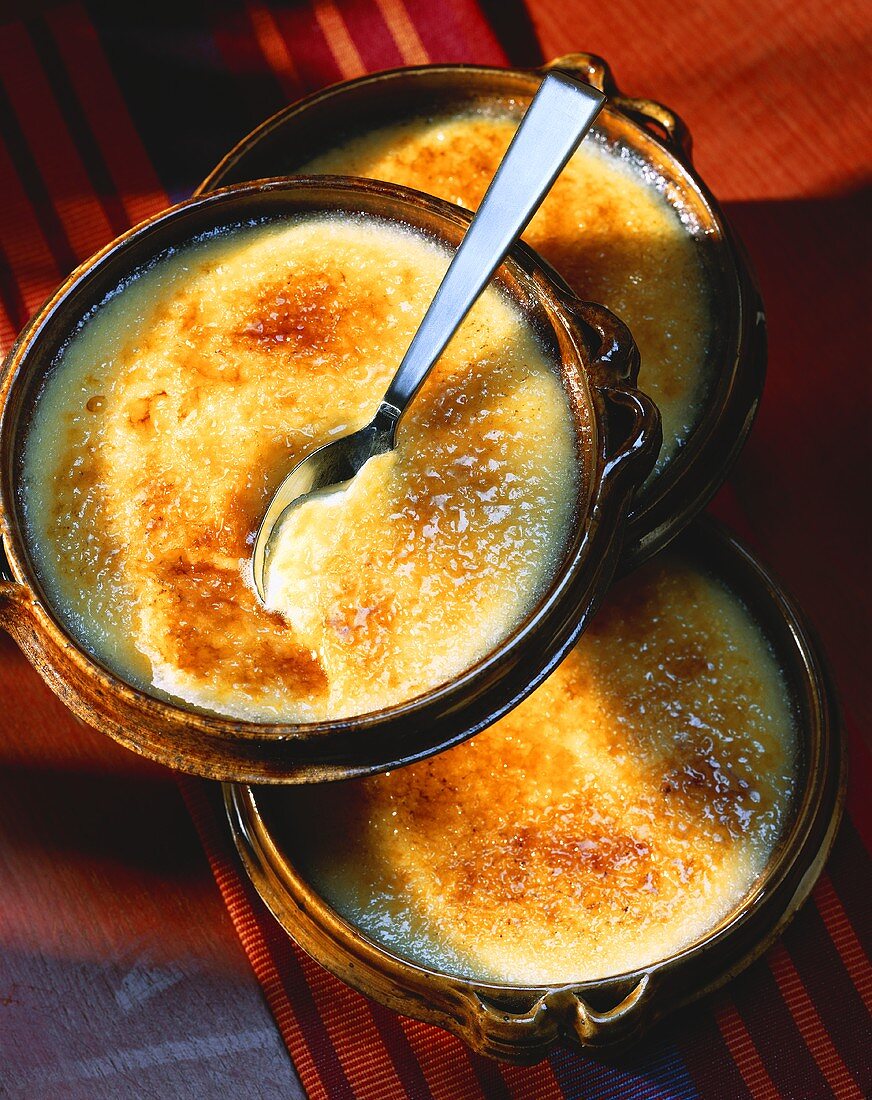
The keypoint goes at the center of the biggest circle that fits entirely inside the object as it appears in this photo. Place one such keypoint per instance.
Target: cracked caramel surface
(612, 818)
(606, 227)
(184, 399)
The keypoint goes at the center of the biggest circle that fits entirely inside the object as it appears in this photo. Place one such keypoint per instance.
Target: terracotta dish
(504, 853)
(617, 433)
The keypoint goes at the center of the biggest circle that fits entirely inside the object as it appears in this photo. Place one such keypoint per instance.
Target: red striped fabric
(79, 161)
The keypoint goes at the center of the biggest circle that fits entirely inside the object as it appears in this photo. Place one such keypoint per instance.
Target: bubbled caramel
(177, 409)
(611, 819)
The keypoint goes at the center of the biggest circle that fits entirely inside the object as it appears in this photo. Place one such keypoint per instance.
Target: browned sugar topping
(613, 817)
(190, 395)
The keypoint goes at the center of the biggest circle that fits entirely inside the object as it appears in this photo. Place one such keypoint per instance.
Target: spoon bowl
(328, 467)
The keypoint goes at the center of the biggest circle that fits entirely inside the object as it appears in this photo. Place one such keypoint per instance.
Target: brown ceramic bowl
(520, 1024)
(618, 433)
(737, 353)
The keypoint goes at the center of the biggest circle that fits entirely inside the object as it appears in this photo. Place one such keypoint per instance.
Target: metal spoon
(552, 129)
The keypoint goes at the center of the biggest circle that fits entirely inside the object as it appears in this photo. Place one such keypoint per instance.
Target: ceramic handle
(651, 113)
(633, 420)
(612, 354)
(588, 67)
(669, 126)
(640, 441)
(5, 570)
(592, 1028)
(7, 599)
(561, 1013)
(11, 592)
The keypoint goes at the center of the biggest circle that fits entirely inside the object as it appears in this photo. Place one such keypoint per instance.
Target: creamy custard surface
(615, 816)
(183, 400)
(606, 226)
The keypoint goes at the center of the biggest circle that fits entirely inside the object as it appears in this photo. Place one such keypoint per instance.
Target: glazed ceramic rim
(188, 739)
(700, 467)
(521, 1023)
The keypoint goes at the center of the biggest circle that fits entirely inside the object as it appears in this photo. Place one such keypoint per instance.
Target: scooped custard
(184, 398)
(614, 817)
(608, 226)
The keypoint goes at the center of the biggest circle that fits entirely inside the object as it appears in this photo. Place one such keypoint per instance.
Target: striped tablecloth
(106, 115)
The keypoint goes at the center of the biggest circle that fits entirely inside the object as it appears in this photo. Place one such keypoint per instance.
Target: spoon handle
(552, 129)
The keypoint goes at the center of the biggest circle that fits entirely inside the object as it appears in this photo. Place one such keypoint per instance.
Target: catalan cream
(608, 226)
(181, 401)
(616, 816)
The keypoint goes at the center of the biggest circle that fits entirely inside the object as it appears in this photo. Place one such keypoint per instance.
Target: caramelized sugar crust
(616, 815)
(612, 235)
(187, 398)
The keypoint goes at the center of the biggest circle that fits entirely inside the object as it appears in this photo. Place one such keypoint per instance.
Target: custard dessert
(616, 816)
(180, 403)
(608, 226)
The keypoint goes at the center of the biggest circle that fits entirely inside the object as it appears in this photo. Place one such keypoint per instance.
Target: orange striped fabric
(403, 32)
(84, 154)
(844, 937)
(273, 47)
(745, 1054)
(810, 1025)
